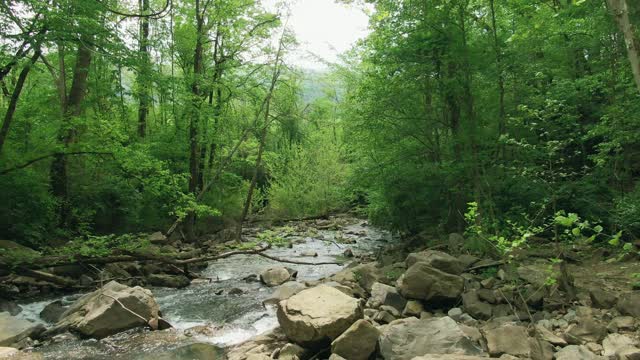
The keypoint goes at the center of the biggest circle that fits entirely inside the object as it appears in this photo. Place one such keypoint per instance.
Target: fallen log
(56, 261)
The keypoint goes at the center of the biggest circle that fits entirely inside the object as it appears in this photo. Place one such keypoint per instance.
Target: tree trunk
(8, 117)
(71, 109)
(144, 73)
(194, 123)
(620, 10)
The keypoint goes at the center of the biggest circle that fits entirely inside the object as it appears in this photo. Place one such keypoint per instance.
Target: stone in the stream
(11, 307)
(53, 312)
(423, 282)
(629, 304)
(408, 338)
(170, 281)
(101, 313)
(358, 342)
(437, 260)
(318, 315)
(275, 276)
(196, 351)
(14, 330)
(545, 334)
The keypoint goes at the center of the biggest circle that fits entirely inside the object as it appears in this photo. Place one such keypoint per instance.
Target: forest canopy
(504, 119)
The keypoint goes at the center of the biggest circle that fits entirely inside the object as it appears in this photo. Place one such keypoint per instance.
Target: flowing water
(227, 319)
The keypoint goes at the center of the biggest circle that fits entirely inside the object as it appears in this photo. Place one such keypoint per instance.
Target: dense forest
(123, 119)
(504, 119)
(459, 181)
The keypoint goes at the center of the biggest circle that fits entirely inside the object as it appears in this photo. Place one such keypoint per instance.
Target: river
(223, 320)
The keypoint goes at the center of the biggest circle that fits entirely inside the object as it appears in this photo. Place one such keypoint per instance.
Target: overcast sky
(323, 28)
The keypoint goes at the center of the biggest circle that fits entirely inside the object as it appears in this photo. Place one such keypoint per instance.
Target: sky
(324, 29)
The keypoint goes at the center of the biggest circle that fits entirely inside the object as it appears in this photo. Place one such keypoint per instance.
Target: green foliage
(308, 180)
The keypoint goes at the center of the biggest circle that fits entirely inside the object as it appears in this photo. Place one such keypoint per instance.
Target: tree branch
(43, 157)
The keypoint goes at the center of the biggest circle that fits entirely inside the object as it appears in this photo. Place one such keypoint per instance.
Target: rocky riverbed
(403, 305)
(225, 306)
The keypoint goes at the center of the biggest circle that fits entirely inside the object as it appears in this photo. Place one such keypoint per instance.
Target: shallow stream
(226, 319)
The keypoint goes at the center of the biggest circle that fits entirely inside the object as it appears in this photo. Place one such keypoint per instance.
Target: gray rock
(408, 338)
(275, 276)
(545, 334)
(98, 314)
(622, 323)
(284, 291)
(292, 352)
(413, 308)
(358, 342)
(437, 260)
(448, 357)
(455, 313)
(11, 307)
(14, 330)
(602, 299)
(629, 304)
(475, 307)
(158, 238)
(423, 282)
(53, 312)
(614, 344)
(575, 352)
(384, 317)
(586, 330)
(317, 315)
(508, 339)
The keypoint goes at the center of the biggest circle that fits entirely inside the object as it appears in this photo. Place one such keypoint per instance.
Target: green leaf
(598, 229)
(575, 231)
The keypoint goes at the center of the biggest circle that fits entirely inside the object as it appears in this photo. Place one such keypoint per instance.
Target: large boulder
(411, 337)
(284, 292)
(424, 282)
(275, 276)
(437, 260)
(629, 304)
(110, 310)
(318, 315)
(358, 342)
(14, 330)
